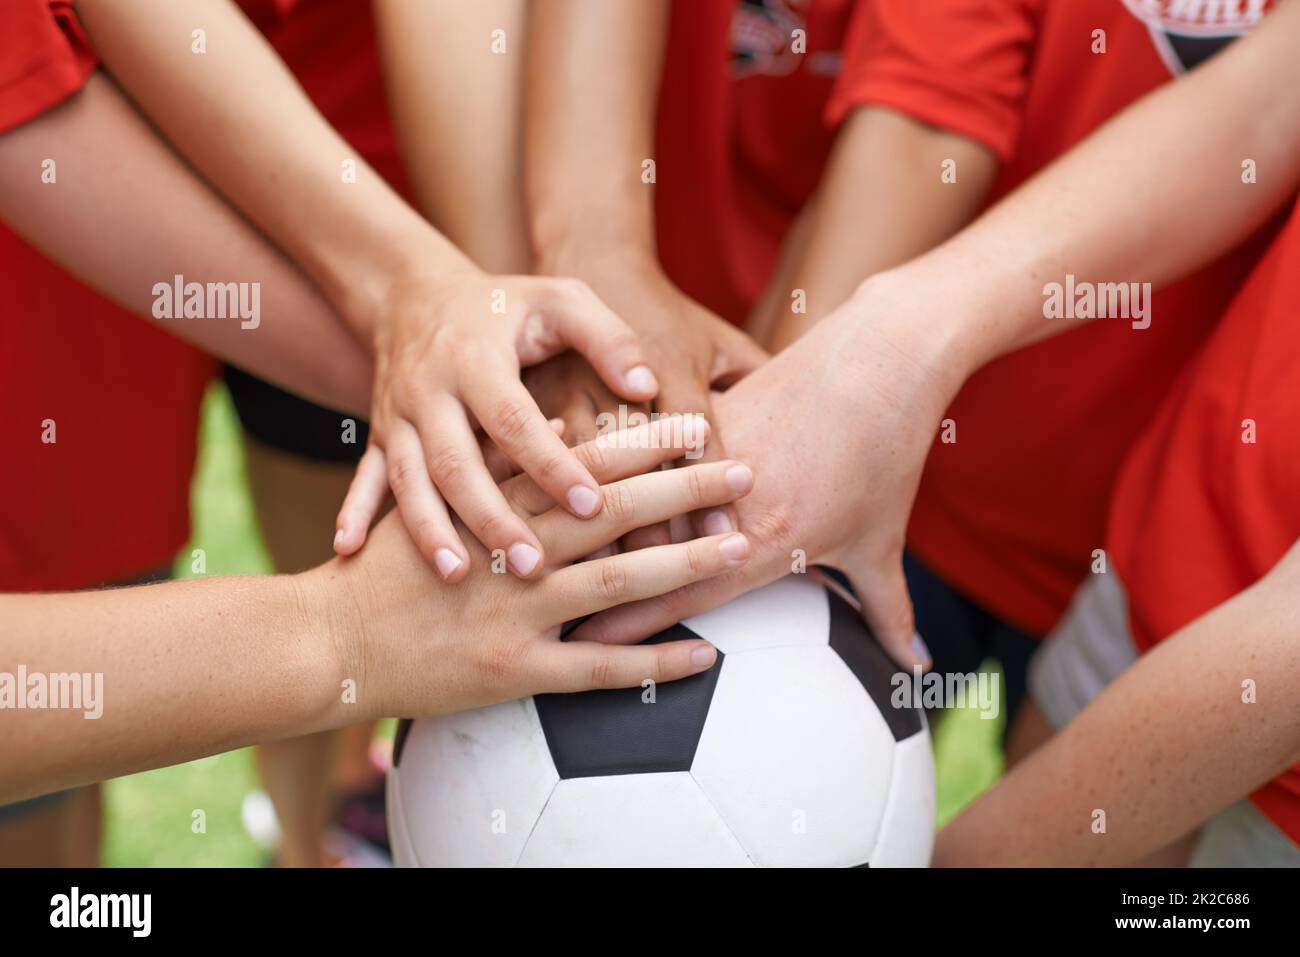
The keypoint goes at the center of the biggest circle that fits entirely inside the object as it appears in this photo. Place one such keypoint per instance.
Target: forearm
(446, 108)
(1152, 195)
(593, 83)
(239, 116)
(96, 138)
(174, 672)
(882, 201)
(1163, 748)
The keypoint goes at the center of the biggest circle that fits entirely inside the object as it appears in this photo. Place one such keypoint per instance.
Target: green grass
(150, 817)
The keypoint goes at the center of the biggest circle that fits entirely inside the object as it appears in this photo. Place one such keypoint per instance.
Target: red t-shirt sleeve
(961, 65)
(45, 57)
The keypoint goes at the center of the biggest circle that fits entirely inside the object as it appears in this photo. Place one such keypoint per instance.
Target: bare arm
(236, 113)
(592, 89)
(459, 119)
(881, 202)
(1126, 204)
(125, 213)
(1167, 745)
(593, 84)
(449, 340)
(171, 672)
(1154, 194)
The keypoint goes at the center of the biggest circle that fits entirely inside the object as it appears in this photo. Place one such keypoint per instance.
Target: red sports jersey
(109, 496)
(1207, 500)
(1012, 511)
(741, 138)
(330, 46)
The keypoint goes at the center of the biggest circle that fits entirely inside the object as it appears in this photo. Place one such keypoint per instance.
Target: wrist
(941, 326)
(331, 620)
(365, 290)
(593, 239)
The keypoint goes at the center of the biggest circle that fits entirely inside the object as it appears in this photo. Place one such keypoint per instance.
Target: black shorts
(285, 422)
(960, 634)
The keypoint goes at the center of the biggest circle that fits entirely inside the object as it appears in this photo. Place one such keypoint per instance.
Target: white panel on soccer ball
(790, 611)
(398, 840)
(631, 820)
(796, 758)
(907, 831)
(471, 785)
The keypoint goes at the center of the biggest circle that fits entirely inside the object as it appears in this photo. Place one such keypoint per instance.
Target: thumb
(578, 317)
(887, 608)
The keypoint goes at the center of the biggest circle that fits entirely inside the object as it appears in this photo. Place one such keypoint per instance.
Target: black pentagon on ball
(600, 733)
(857, 647)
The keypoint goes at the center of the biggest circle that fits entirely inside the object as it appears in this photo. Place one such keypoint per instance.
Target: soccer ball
(787, 752)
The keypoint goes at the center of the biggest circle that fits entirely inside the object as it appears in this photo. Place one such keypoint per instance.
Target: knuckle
(771, 526)
(595, 457)
(511, 420)
(602, 671)
(447, 465)
(612, 583)
(493, 527)
(548, 468)
(697, 562)
(403, 475)
(696, 494)
(620, 504)
(502, 662)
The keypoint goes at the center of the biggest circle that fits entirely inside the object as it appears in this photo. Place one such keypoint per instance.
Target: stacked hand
(691, 350)
(448, 355)
(837, 435)
(496, 637)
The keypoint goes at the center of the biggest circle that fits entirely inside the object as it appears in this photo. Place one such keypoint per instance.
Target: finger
(511, 418)
(576, 315)
(685, 393)
(498, 463)
(637, 621)
(585, 589)
(618, 455)
(737, 355)
(422, 510)
(641, 500)
(458, 471)
(569, 666)
(580, 423)
(366, 493)
(887, 608)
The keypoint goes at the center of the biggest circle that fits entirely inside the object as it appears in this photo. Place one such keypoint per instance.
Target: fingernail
(582, 500)
(557, 425)
(717, 523)
(446, 561)
(921, 651)
(734, 547)
(704, 656)
(641, 379)
(739, 478)
(338, 538)
(523, 558)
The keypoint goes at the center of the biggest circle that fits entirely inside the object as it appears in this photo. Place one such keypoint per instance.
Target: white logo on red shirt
(1188, 32)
